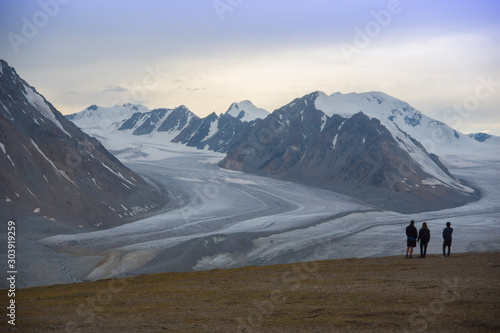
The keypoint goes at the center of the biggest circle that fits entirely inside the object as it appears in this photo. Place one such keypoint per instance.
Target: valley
(249, 166)
(123, 191)
(225, 219)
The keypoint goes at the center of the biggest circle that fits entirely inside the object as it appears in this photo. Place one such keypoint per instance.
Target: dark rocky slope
(48, 166)
(357, 156)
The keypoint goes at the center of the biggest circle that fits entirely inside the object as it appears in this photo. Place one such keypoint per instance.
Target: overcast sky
(442, 57)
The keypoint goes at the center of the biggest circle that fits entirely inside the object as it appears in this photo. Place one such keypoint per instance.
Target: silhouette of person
(447, 239)
(411, 242)
(424, 236)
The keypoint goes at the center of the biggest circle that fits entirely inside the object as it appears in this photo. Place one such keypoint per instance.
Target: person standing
(411, 242)
(424, 236)
(447, 239)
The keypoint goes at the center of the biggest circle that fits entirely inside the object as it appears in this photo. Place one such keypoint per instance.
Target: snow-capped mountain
(132, 122)
(179, 125)
(104, 117)
(367, 156)
(217, 132)
(246, 111)
(167, 121)
(100, 121)
(48, 166)
(213, 132)
(398, 116)
(484, 137)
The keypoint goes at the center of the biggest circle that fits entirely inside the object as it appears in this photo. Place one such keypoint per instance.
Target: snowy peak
(17, 91)
(373, 104)
(484, 137)
(363, 150)
(398, 116)
(133, 118)
(104, 117)
(246, 111)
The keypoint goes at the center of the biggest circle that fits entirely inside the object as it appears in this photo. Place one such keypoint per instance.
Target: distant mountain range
(180, 125)
(49, 167)
(369, 145)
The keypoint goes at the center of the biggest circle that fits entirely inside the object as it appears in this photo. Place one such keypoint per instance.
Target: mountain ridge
(304, 144)
(432, 139)
(50, 167)
(317, 132)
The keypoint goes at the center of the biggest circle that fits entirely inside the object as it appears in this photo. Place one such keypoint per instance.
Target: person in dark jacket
(411, 242)
(424, 236)
(447, 239)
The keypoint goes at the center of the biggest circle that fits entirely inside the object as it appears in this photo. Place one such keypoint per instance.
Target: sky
(440, 56)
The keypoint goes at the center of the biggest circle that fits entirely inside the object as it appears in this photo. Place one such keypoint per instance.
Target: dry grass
(457, 294)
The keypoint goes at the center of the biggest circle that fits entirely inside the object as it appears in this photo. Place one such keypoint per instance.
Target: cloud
(114, 89)
(191, 89)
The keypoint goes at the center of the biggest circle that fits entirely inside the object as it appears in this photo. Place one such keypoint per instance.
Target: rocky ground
(391, 294)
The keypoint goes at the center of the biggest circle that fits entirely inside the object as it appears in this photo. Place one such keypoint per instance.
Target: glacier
(222, 219)
(218, 218)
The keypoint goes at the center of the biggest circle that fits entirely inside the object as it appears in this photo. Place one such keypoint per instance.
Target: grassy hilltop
(393, 294)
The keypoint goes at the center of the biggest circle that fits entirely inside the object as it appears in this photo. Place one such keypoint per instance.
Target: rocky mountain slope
(50, 167)
(350, 153)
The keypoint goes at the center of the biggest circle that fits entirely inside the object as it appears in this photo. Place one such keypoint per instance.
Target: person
(411, 242)
(447, 239)
(424, 236)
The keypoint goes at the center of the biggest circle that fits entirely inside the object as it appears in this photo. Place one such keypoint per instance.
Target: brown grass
(393, 294)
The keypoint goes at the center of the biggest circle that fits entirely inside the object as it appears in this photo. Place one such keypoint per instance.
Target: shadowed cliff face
(356, 156)
(48, 166)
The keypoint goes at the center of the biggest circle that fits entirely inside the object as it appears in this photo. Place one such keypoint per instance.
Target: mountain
(102, 117)
(170, 121)
(330, 142)
(99, 121)
(217, 133)
(484, 137)
(179, 125)
(246, 111)
(48, 166)
(397, 115)
(212, 132)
